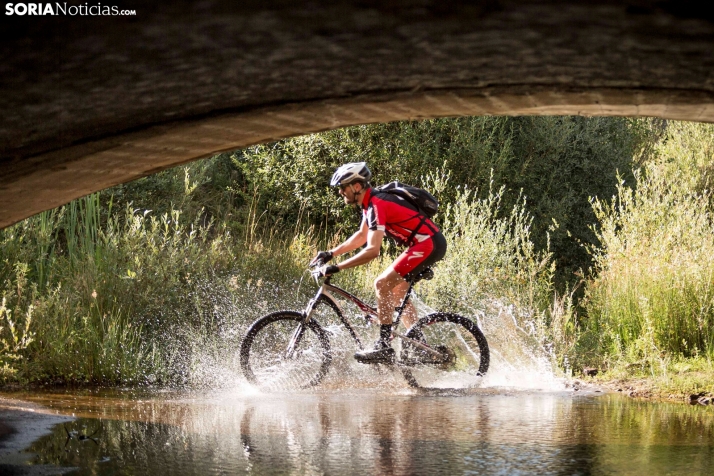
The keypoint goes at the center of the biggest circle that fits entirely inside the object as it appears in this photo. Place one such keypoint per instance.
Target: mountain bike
(291, 349)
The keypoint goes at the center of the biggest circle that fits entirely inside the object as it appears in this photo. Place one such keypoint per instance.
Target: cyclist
(384, 213)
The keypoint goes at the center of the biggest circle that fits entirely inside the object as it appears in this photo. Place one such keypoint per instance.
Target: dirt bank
(656, 389)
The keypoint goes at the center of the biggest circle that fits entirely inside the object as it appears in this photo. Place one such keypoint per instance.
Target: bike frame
(370, 314)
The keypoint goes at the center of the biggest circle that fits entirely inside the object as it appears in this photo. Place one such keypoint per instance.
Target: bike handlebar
(426, 273)
(314, 266)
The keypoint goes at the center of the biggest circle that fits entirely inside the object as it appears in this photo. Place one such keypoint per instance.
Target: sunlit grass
(651, 301)
(123, 300)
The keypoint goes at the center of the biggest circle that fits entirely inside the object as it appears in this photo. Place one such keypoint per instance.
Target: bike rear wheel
(458, 355)
(280, 352)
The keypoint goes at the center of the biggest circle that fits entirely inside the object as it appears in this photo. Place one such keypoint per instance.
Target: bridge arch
(93, 102)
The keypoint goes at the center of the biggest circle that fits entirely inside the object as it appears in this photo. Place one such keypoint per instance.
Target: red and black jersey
(396, 217)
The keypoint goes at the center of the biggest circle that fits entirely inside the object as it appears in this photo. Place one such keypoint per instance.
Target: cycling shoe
(382, 353)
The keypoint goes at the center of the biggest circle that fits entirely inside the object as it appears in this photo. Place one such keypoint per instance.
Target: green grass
(650, 301)
(653, 294)
(115, 302)
(677, 379)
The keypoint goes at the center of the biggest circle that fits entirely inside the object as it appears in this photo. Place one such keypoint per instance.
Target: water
(374, 431)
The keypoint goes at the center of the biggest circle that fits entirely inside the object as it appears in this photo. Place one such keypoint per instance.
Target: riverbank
(21, 423)
(688, 386)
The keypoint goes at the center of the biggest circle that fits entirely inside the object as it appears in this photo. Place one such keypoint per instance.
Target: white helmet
(351, 173)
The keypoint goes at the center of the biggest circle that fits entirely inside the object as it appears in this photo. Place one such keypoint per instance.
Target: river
(387, 429)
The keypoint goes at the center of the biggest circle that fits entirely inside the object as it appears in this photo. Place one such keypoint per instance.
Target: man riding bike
(384, 213)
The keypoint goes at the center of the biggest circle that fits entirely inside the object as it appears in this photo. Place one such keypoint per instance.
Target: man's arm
(374, 244)
(358, 239)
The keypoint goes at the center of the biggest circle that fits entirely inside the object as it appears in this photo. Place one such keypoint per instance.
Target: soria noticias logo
(64, 9)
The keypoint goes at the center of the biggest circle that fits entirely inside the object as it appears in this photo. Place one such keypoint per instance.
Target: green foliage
(13, 340)
(682, 155)
(491, 254)
(123, 297)
(651, 299)
(202, 189)
(555, 163)
(559, 163)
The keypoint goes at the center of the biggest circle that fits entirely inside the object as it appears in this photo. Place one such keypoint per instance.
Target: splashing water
(518, 360)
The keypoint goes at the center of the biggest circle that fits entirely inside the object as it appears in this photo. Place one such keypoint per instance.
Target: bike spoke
(457, 354)
(280, 352)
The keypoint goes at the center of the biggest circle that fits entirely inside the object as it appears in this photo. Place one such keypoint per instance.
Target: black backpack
(422, 200)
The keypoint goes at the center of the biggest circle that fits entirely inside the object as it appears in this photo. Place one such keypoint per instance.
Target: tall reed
(653, 295)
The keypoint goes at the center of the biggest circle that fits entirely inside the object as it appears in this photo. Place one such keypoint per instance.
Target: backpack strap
(410, 240)
(423, 221)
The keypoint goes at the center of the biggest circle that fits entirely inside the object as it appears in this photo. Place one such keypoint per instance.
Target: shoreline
(633, 386)
(643, 388)
(22, 423)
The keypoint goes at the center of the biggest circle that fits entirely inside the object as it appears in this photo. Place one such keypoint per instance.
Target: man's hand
(321, 257)
(328, 270)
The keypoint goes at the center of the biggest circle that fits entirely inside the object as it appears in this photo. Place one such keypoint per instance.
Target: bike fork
(296, 337)
(295, 340)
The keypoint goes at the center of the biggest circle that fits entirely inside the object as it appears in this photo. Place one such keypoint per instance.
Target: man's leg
(383, 286)
(382, 351)
(390, 287)
(409, 316)
(409, 263)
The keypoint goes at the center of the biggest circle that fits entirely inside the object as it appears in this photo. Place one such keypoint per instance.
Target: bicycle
(288, 349)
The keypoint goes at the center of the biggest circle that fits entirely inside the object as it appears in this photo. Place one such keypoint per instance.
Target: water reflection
(373, 433)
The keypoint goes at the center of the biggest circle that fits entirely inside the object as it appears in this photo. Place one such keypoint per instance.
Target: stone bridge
(92, 101)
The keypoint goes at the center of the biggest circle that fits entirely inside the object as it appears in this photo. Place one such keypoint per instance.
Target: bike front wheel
(454, 353)
(280, 351)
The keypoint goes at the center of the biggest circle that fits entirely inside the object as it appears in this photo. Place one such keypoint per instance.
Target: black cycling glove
(328, 270)
(322, 256)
